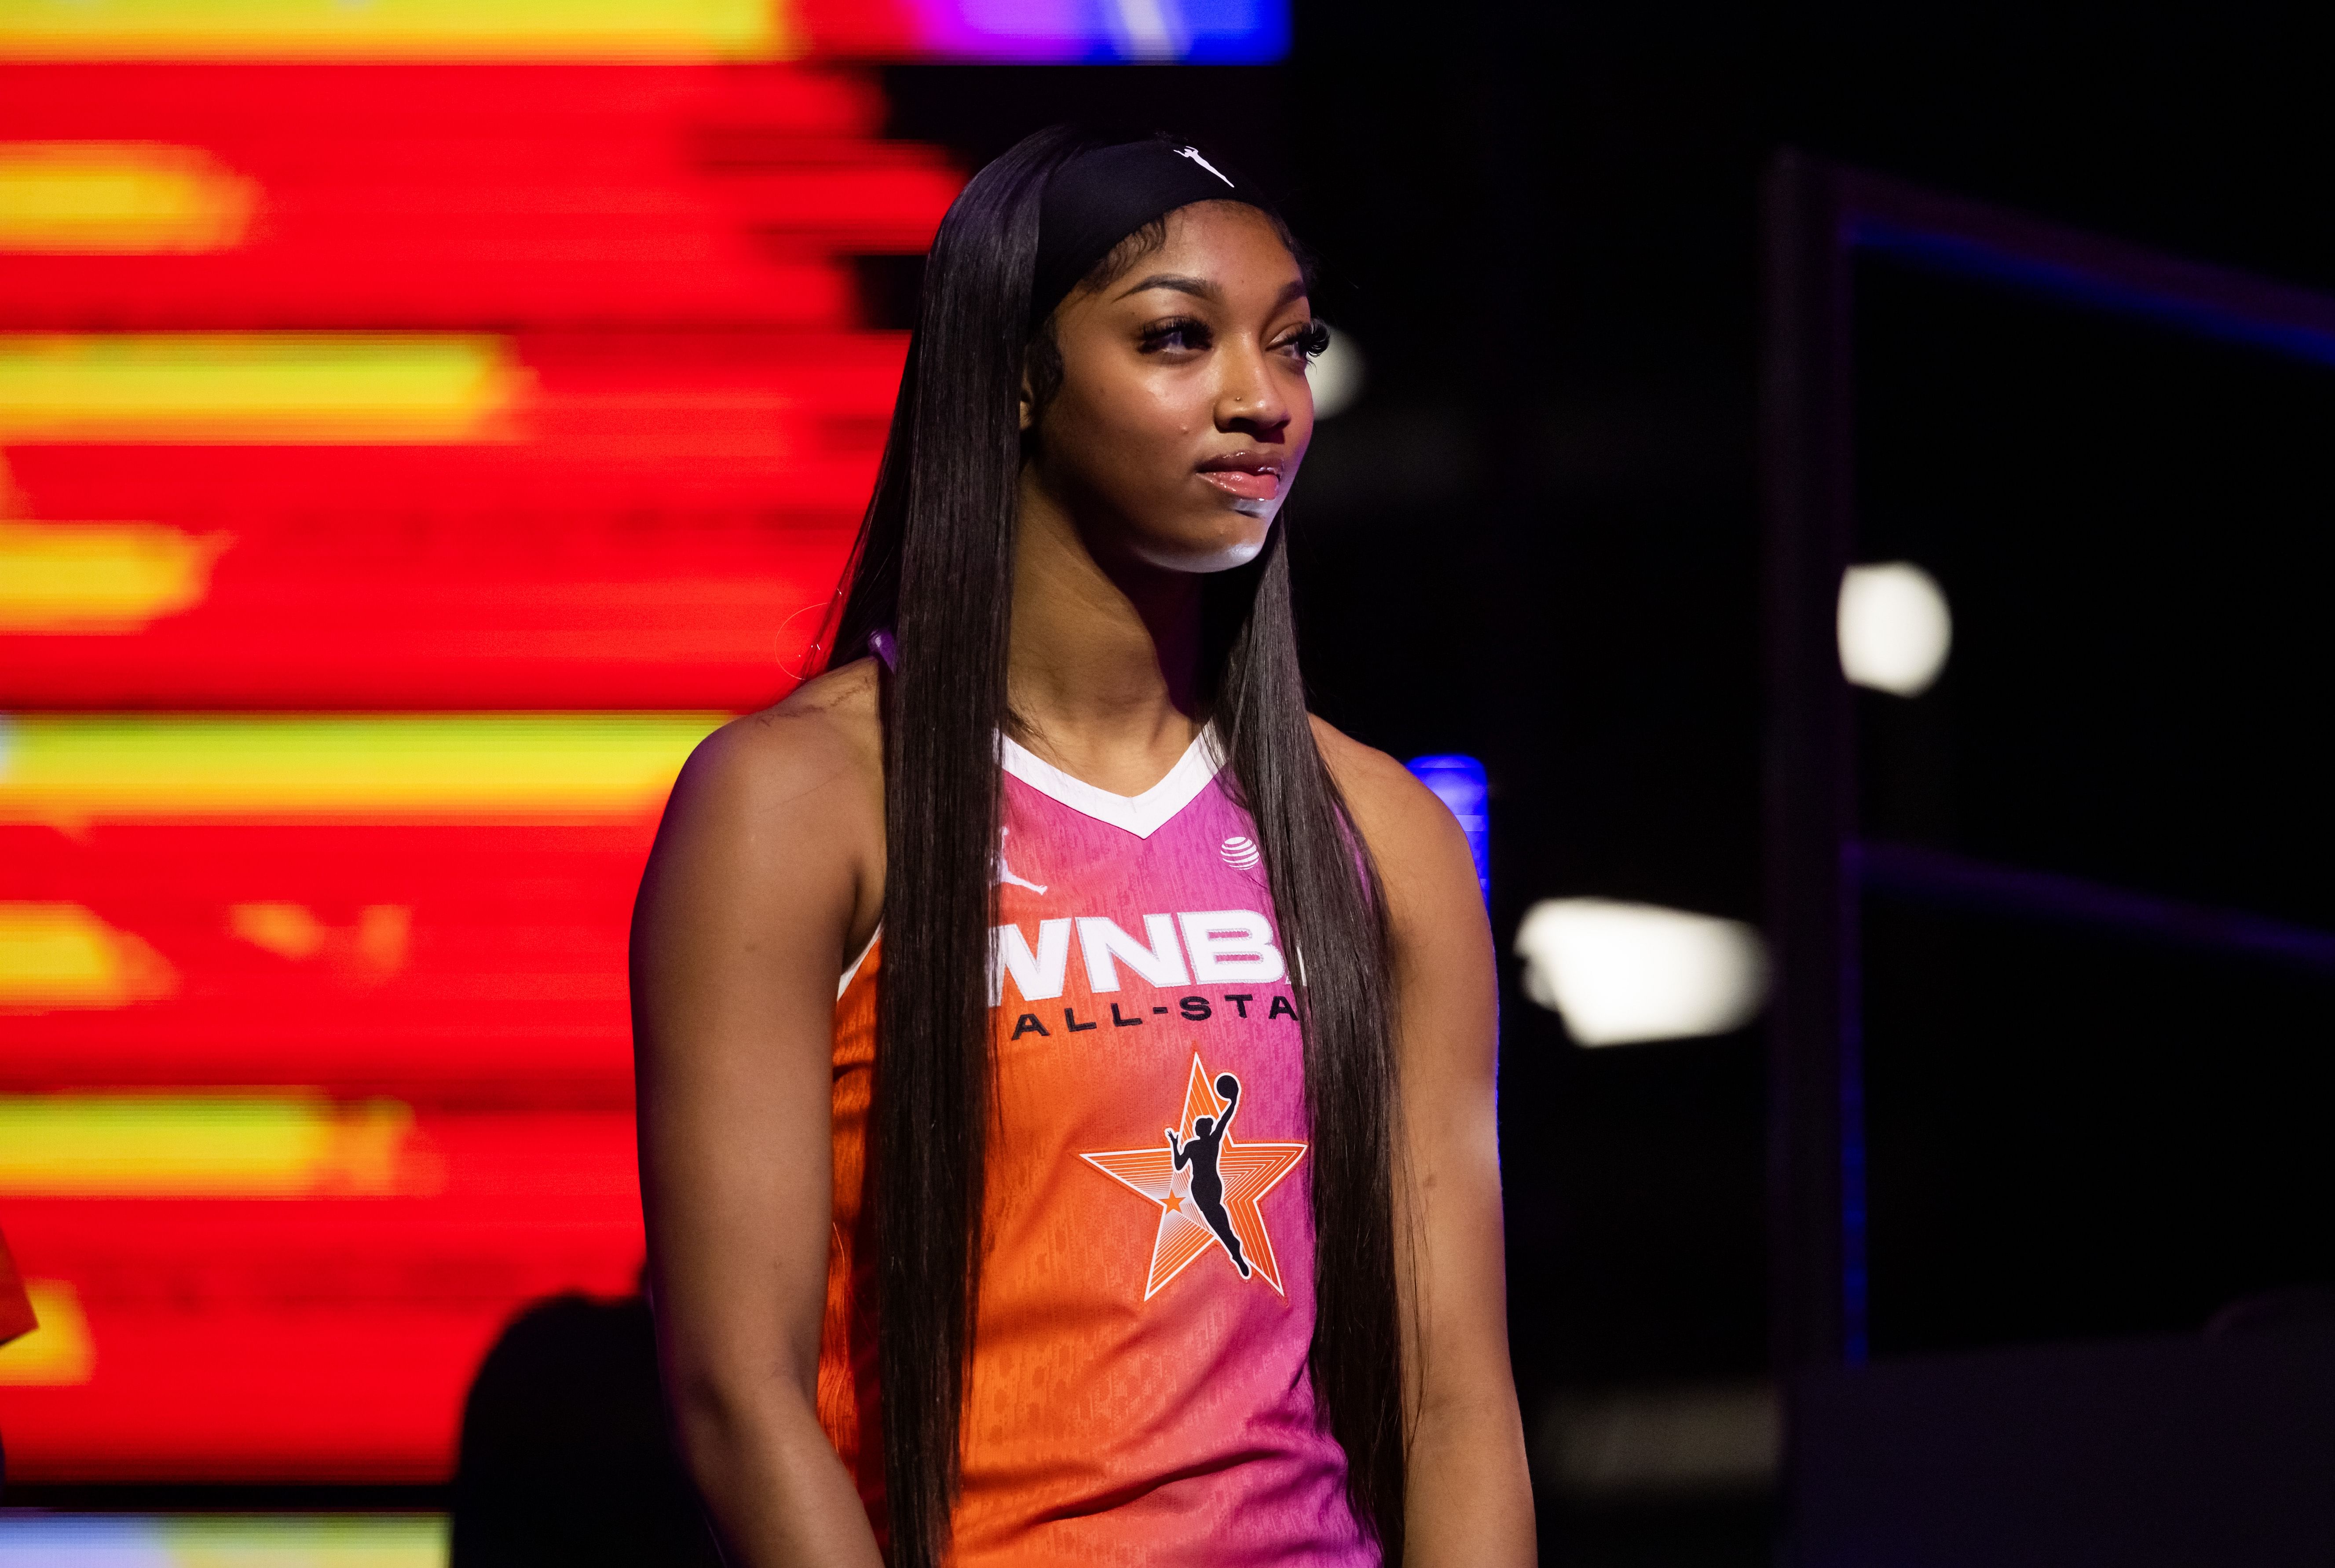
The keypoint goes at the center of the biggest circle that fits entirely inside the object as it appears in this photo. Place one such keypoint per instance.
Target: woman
(931, 1284)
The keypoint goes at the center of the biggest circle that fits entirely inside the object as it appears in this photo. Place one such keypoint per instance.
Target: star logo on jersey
(1206, 1185)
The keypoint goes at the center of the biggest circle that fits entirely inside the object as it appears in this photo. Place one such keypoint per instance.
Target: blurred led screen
(420, 422)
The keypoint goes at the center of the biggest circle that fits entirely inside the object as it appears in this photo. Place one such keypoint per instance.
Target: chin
(1218, 553)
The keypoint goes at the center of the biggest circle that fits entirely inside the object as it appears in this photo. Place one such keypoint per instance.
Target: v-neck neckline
(1141, 815)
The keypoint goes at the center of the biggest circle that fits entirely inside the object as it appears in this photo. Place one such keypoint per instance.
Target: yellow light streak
(294, 1540)
(70, 769)
(99, 577)
(55, 956)
(259, 387)
(283, 1145)
(120, 197)
(618, 30)
(57, 1353)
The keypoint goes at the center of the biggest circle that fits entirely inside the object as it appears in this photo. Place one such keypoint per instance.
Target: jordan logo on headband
(1194, 154)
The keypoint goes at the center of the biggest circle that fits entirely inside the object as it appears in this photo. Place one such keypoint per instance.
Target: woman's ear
(1042, 375)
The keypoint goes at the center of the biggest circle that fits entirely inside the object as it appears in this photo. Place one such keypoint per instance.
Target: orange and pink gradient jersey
(1139, 1391)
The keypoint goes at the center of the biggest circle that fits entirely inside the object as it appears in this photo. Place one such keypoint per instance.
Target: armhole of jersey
(852, 972)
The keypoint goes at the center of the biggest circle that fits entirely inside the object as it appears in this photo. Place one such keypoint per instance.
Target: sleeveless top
(1139, 1391)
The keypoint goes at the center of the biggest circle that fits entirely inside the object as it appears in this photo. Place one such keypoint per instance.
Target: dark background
(1535, 540)
(2076, 1133)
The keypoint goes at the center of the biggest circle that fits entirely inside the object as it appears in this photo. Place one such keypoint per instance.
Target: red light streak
(318, 1339)
(509, 985)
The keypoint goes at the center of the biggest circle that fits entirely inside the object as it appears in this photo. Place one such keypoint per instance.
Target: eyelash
(1192, 332)
(1310, 341)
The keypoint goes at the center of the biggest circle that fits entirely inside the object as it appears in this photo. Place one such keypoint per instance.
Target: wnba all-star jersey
(1139, 1391)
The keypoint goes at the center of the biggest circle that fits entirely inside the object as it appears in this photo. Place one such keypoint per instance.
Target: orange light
(370, 951)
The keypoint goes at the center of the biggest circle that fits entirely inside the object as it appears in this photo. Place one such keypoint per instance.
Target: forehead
(1228, 243)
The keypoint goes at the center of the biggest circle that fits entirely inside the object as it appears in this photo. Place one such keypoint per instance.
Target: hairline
(1142, 241)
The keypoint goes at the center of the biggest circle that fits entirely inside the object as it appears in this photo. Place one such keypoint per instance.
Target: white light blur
(1147, 29)
(1622, 972)
(1336, 375)
(1894, 627)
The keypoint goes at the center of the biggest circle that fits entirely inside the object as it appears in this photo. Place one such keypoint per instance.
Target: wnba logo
(1228, 946)
(1240, 854)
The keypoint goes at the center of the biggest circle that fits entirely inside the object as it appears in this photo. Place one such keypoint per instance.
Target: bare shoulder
(820, 749)
(1384, 797)
(787, 804)
(1421, 853)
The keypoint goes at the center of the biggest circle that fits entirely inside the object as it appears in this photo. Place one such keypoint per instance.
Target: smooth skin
(1182, 417)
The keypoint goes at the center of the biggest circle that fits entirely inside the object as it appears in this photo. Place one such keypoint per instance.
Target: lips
(1249, 476)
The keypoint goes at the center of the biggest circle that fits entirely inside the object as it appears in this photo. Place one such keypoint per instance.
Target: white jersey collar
(1141, 815)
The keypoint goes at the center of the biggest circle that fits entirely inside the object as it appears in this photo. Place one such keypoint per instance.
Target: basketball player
(926, 1288)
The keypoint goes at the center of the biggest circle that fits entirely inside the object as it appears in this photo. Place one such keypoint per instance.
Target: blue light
(1459, 783)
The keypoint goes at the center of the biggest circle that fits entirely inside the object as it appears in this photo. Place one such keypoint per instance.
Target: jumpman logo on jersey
(1207, 1186)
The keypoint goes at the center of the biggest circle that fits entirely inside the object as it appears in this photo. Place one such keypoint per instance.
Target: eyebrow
(1200, 287)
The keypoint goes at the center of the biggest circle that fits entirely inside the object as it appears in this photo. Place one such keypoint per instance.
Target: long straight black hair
(934, 568)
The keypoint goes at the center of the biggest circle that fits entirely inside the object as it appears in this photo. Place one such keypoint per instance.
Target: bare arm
(767, 867)
(1470, 1494)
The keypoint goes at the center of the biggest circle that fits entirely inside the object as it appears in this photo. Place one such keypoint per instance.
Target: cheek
(1127, 432)
(1299, 395)
(1142, 431)
(1085, 431)
(1165, 407)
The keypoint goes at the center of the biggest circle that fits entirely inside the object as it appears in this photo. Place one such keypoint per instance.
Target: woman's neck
(1103, 660)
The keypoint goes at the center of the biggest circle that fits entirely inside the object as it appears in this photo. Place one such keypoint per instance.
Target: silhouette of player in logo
(1199, 1152)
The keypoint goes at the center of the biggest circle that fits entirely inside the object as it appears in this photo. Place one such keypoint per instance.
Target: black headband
(1099, 197)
